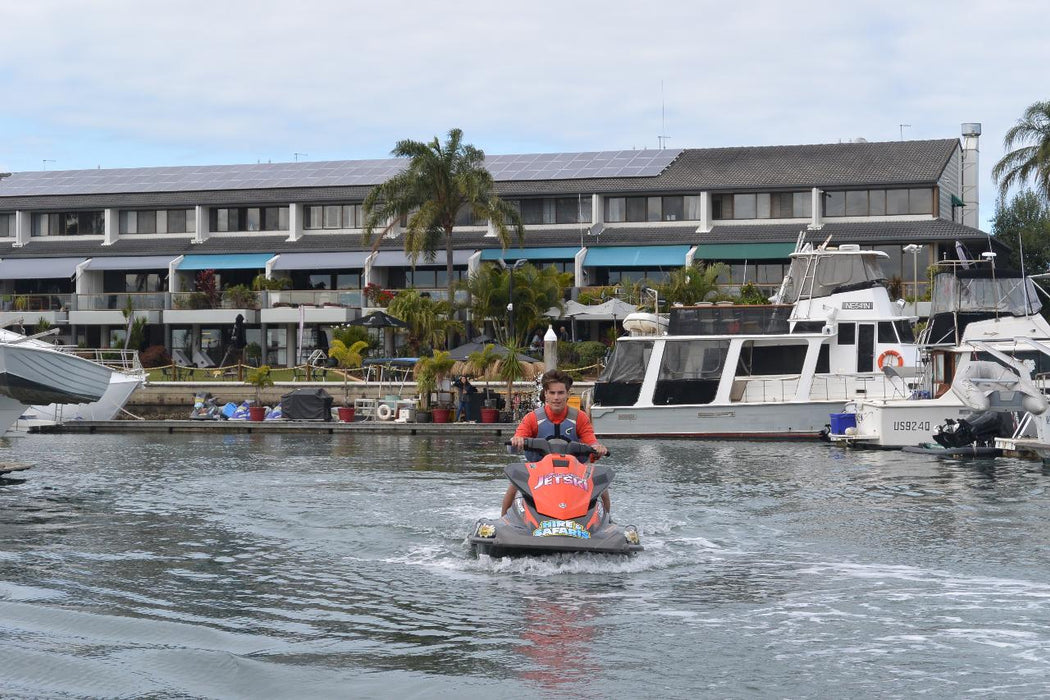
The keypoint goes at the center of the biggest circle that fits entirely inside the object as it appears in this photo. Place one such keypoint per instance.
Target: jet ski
(558, 507)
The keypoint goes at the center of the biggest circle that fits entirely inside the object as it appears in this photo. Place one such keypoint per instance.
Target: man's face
(557, 396)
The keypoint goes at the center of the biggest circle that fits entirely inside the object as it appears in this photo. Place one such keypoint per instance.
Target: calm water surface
(335, 566)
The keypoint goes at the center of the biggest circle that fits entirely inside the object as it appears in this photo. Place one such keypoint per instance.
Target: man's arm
(585, 431)
(527, 428)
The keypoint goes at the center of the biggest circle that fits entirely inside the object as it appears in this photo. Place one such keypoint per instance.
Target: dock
(227, 427)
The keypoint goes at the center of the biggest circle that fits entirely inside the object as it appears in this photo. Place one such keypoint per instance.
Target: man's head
(556, 385)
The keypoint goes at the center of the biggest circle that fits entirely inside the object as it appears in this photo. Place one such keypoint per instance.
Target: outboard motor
(979, 429)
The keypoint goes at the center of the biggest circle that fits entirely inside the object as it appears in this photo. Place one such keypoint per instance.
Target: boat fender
(384, 412)
(891, 357)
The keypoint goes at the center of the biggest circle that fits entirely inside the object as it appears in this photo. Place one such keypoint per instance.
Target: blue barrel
(841, 421)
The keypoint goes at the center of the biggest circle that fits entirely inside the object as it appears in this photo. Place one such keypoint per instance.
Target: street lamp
(510, 298)
(914, 249)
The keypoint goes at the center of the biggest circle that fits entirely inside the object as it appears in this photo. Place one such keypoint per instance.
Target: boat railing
(824, 387)
(114, 358)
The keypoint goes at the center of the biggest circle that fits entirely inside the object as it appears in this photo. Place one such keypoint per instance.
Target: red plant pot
(489, 415)
(346, 414)
(441, 415)
(256, 412)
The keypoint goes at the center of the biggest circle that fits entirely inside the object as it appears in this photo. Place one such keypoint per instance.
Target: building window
(157, 221)
(692, 207)
(224, 220)
(673, 208)
(615, 209)
(879, 202)
(745, 206)
(857, 203)
(896, 202)
(72, 223)
(834, 204)
(7, 225)
(722, 206)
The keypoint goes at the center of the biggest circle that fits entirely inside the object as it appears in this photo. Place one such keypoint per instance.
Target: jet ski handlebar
(560, 446)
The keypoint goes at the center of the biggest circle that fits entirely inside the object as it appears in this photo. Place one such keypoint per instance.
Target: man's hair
(555, 376)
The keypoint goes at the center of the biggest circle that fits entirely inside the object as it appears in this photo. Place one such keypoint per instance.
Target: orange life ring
(895, 358)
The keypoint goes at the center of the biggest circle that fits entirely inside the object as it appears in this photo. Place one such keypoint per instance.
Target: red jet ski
(558, 507)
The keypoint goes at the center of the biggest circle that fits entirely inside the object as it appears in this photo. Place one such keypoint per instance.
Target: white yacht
(51, 384)
(976, 313)
(772, 371)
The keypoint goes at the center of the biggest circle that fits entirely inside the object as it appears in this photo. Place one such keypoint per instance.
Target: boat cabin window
(690, 371)
(847, 334)
(887, 333)
(808, 327)
(761, 360)
(621, 382)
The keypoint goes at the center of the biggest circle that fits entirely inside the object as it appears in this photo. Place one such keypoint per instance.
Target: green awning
(230, 261)
(743, 251)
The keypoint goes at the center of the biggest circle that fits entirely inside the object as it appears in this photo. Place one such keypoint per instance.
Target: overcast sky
(130, 83)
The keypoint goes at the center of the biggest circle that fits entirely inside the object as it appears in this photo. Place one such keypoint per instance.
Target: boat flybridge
(773, 371)
(977, 313)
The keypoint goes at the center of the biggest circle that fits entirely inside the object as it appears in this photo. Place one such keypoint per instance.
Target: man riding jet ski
(558, 507)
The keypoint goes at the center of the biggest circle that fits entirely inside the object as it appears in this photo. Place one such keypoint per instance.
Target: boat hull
(121, 386)
(771, 421)
(34, 375)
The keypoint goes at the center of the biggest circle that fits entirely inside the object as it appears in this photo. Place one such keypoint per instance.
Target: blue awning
(511, 254)
(321, 261)
(237, 261)
(636, 256)
(131, 262)
(38, 268)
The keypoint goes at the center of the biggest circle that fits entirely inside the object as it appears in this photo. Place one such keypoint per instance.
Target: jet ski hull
(511, 541)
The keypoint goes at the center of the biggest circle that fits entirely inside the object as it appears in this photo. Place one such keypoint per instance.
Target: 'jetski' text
(569, 479)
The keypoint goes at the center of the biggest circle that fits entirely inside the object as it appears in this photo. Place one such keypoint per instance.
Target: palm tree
(429, 320)
(1029, 161)
(536, 290)
(692, 283)
(347, 358)
(439, 182)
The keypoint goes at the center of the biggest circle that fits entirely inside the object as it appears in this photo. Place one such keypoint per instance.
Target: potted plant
(347, 358)
(430, 372)
(482, 363)
(260, 378)
(239, 296)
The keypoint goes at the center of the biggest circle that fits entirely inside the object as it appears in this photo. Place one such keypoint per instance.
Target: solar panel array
(341, 173)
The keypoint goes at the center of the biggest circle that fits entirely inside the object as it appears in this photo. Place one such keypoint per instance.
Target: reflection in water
(557, 636)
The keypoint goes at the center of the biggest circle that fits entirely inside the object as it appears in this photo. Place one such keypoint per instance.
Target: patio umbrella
(378, 319)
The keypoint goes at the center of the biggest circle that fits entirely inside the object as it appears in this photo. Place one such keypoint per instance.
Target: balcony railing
(36, 302)
(140, 301)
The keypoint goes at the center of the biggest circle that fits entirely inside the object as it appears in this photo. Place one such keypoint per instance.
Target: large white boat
(772, 371)
(42, 383)
(976, 314)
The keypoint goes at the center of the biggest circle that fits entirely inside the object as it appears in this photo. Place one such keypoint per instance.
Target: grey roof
(340, 173)
(894, 163)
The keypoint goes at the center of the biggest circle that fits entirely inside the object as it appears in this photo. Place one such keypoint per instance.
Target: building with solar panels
(78, 247)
